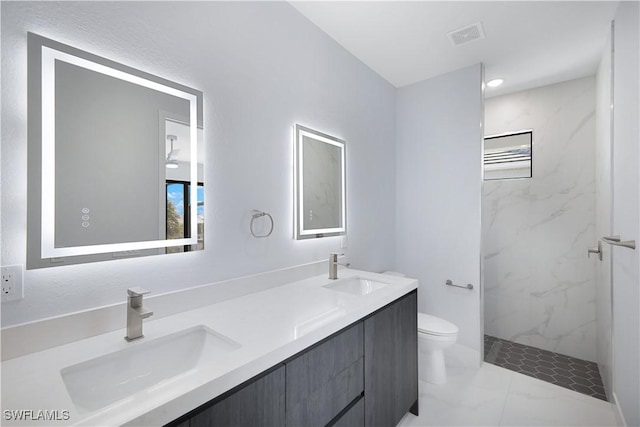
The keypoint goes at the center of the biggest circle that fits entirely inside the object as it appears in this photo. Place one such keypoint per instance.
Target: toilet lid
(435, 326)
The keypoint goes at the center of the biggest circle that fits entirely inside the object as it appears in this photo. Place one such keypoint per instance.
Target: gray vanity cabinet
(259, 403)
(363, 375)
(391, 362)
(323, 381)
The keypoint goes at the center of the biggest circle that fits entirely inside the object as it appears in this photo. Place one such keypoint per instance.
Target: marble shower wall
(538, 282)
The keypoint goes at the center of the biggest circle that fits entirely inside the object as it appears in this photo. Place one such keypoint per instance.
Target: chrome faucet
(333, 265)
(136, 313)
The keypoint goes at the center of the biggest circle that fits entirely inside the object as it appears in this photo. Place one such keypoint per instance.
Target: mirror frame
(42, 54)
(302, 232)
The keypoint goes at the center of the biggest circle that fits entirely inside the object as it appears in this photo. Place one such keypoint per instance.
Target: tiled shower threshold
(568, 372)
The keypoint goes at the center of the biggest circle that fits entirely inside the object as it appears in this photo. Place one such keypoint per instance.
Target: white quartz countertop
(270, 327)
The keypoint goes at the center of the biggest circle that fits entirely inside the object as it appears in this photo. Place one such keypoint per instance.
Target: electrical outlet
(12, 288)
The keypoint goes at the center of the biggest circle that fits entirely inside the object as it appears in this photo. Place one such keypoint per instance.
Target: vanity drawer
(260, 402)
(354, 417)
(324, 380)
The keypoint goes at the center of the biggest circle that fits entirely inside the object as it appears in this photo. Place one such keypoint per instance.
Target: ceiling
(527, 43)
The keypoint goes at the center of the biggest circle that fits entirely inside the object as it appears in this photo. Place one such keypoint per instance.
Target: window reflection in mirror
(177, 224)
(178, 193)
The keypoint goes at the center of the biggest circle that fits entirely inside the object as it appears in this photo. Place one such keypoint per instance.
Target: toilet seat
(432, 325)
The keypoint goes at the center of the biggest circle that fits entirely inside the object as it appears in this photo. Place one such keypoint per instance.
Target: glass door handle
(596, 250)
(615, 240)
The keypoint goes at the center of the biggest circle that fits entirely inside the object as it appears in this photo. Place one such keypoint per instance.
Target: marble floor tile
(467, 399)
(494, 396)
(532, 402)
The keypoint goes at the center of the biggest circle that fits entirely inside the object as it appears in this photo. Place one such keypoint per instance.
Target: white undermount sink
(356, 286)
(102, 381)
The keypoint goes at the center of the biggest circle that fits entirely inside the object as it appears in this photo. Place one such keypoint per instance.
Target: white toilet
(434, 335)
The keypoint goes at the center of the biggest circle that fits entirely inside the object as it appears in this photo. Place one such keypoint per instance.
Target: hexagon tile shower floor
(568, 372)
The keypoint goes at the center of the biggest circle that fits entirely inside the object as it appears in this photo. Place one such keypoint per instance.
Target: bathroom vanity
(312, 352)
(325, 384)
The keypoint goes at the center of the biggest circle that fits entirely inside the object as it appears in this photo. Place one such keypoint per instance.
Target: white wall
(539, 283)
(262, 68)
(603, 218)
(438, 187)
(626, 218)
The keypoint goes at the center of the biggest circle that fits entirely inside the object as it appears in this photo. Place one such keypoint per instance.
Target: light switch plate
(12, 286)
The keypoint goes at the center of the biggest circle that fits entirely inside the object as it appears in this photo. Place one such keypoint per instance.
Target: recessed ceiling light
(495, 82)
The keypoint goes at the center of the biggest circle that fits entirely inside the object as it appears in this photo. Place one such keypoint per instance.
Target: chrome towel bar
(450, 283)
(615, 240)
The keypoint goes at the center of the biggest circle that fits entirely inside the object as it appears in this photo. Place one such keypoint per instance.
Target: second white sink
(102, 381)
(356, 286)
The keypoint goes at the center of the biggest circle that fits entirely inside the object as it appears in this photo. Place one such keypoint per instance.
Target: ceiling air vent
(467, 34)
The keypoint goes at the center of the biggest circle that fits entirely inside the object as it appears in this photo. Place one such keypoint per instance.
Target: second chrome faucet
(136, 312)
(333, 265)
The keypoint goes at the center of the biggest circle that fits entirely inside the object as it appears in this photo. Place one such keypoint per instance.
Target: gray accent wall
(438, 187)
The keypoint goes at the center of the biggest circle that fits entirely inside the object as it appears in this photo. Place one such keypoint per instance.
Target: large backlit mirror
(320, 206)
(115, 160)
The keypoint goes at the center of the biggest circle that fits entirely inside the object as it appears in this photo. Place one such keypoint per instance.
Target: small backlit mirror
(320, 189)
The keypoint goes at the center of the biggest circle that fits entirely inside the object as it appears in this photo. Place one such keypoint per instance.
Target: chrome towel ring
(257, 214)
